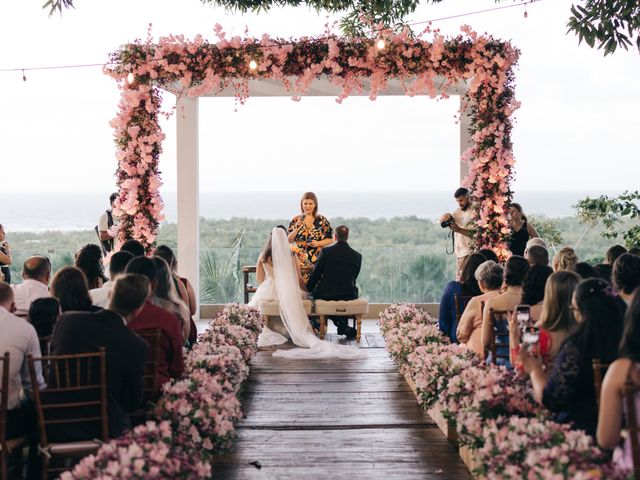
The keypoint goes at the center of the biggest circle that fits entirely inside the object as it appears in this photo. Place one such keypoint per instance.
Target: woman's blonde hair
(565, 259)
(556, 307)
(309, 196)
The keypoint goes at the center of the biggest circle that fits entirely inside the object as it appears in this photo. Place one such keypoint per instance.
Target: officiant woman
(310, 232)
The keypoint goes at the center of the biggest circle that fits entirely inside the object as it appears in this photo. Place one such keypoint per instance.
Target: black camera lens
(446, 224)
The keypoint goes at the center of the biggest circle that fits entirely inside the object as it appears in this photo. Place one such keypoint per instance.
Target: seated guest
(556, 320)
(171, 363)
(537, 242)
(626, 275)
(489, 254)
(166, 297)
(20, 339)
(626, 369)
(537, 255)
(89, 260)
(567, 389)
(134, 247)
(335, 273)
(467, 286)
(43, 315)
(36, 272)
(634, 251)
(533, 288)
(69, 287)
(126, 352)
(489, 276)
(515, 271)
(117, 266)
(585, 270)
(613, 253)
(604, 271)
(183, 286)
(565, 259)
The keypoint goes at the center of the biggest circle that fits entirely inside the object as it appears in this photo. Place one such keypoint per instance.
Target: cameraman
(461, 222)
(105, 222)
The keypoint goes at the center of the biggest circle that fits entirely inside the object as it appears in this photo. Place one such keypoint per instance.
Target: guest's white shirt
(26, 292)
(100, 296)
(20, 339)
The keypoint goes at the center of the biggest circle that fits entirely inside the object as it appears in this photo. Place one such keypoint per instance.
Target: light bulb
(253, 65)
(130, 78)
(380, 44)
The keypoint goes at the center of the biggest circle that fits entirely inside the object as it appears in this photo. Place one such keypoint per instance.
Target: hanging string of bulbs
(253, 65)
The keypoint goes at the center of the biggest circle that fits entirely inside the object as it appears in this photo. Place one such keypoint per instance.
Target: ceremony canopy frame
(477, 68)
(187, 155)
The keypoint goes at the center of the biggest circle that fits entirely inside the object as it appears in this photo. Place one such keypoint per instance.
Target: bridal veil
(292, 310)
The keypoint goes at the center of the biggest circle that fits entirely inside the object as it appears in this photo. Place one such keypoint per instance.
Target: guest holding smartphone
(310, 232)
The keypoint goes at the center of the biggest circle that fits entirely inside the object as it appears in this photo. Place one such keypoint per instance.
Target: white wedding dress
(281, 283)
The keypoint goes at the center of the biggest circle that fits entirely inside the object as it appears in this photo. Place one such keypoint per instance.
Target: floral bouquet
(398, 314)
(149, 451)
(224, 362)
(520, 447)
(203, 408)
(493, 392)
(236, 335)
(431, 366)
(403, 340)
(241, 315)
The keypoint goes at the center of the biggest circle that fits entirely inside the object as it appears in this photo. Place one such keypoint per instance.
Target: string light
(380, 44)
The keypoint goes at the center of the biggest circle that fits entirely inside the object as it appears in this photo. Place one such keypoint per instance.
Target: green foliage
(618, 215)
(549, 229)
(609, 23)
(403, 258)
(219, 280)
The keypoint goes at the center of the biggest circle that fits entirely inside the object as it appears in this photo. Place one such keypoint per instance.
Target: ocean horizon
(39, 212)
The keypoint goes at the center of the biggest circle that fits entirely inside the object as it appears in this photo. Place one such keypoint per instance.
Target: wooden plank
(391, 453)
(317, 419)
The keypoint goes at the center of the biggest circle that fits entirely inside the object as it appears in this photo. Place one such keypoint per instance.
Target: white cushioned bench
(342, 308)
(270, 310)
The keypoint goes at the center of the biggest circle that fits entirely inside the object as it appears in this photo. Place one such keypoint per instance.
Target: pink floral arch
(195, 67)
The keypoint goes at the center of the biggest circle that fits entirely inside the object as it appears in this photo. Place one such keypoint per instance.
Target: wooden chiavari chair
(76, 393)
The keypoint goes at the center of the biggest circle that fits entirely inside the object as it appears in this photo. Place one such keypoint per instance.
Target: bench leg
(323, 326)
(358, 327)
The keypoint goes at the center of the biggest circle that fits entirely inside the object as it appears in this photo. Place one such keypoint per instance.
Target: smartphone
(523, 316)
(531, 339)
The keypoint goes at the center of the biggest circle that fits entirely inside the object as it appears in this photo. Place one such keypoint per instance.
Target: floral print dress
(306, 254)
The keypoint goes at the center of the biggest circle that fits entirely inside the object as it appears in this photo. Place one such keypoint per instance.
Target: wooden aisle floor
(334, 419)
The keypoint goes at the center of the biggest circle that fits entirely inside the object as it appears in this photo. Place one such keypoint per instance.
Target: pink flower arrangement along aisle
(195, 67)
(194, 419)
(495, 416)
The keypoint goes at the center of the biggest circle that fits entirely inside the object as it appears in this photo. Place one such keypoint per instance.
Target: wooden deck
(336, 419)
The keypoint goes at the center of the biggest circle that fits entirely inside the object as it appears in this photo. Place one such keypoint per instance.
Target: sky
(577, 128)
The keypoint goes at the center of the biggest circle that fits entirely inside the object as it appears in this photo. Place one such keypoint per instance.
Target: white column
(188, 193)
(465, 138)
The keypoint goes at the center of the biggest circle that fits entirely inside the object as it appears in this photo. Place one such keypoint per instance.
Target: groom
(334, 276)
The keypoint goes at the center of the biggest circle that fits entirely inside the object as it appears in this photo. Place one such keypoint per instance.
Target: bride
(282, 282)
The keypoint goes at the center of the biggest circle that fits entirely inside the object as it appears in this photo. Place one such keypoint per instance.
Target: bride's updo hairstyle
(266, 253)
(309, 196)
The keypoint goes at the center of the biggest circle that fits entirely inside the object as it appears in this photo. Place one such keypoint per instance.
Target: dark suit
(126, 353)
(335, 273)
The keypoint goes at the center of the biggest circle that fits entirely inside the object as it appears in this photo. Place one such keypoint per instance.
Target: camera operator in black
(461, 222)
(104, 224)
